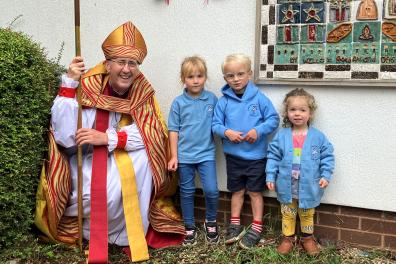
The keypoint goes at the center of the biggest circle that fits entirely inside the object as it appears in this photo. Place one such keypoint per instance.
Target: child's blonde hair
(190, 64)
(237, 57)
(294, 93)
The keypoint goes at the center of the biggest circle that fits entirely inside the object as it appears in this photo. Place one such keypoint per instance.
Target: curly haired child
(299, 167)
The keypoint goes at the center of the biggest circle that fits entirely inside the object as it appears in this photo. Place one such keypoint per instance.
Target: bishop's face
(122, 73)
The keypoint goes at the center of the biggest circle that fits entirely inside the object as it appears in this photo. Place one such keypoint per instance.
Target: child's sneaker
(191, 236)
(212, 232)
(234, 233)
(251, 239)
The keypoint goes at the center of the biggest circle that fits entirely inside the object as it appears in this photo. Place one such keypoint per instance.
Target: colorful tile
(340, 11)
(388, 53)
(366, 31)
(312, 54)
(288, 13)
(366, 53)
(312, 12)
(342, 36)
(338, 53)
(388, 31)
(287, 34)
(312, 33)
(367, 10)
(389, 9)
(286, 54)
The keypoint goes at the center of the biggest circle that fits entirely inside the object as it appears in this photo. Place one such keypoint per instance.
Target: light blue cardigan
(317, 161)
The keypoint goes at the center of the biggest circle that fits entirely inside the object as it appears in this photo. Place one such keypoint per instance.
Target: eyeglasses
(231, 76)
(122, 63)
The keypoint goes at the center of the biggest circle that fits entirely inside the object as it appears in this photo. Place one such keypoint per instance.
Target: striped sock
(235, 220)
(257, 226)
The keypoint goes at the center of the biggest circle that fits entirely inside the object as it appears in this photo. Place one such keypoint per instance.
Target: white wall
(359, 121)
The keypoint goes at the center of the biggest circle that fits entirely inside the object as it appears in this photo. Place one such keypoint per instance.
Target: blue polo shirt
(192, 119)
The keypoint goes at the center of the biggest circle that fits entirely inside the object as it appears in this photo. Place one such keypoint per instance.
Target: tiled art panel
(328, 39)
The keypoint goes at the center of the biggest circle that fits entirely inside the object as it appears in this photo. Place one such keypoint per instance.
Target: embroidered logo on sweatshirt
(315, 152)
(209, 109)
(253, 109)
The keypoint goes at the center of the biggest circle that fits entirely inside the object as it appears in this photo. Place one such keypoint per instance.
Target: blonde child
(193, 148)
(243, 118)
(299, 167)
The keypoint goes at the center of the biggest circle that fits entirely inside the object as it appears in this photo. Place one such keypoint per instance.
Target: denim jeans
(207, 173)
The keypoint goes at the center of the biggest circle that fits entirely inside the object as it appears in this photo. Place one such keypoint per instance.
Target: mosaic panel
(327, 39)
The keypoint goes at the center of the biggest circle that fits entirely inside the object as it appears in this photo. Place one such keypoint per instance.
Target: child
(243, 118)
(193, 148)
(300, 164)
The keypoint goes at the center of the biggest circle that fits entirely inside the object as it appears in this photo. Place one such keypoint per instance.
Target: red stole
(98, 240)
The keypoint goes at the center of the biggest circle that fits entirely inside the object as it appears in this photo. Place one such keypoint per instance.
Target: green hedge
(28, 80)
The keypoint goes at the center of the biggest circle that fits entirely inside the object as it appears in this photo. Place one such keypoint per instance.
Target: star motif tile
(312, 12)
(289, 13)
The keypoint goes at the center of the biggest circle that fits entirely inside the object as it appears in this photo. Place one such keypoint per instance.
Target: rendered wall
(359, 121)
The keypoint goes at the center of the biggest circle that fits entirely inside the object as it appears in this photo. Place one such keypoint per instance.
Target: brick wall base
(361, 227)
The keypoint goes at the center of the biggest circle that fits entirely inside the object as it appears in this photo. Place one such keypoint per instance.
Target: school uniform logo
(209, 109)
(253, 110)
(315, 152)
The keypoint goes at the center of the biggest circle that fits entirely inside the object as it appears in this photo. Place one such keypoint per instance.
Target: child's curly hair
(298, 92)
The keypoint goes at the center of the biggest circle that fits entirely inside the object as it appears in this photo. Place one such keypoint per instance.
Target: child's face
(195, 82)
(237, 75)
(298, 111)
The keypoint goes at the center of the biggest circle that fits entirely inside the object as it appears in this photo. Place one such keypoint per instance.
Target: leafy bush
(28, 80)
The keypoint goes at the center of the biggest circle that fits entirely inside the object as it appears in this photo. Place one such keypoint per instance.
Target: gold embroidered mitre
(125, 41)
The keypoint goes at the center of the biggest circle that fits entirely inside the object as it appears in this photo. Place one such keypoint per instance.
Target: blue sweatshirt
(253, 110)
